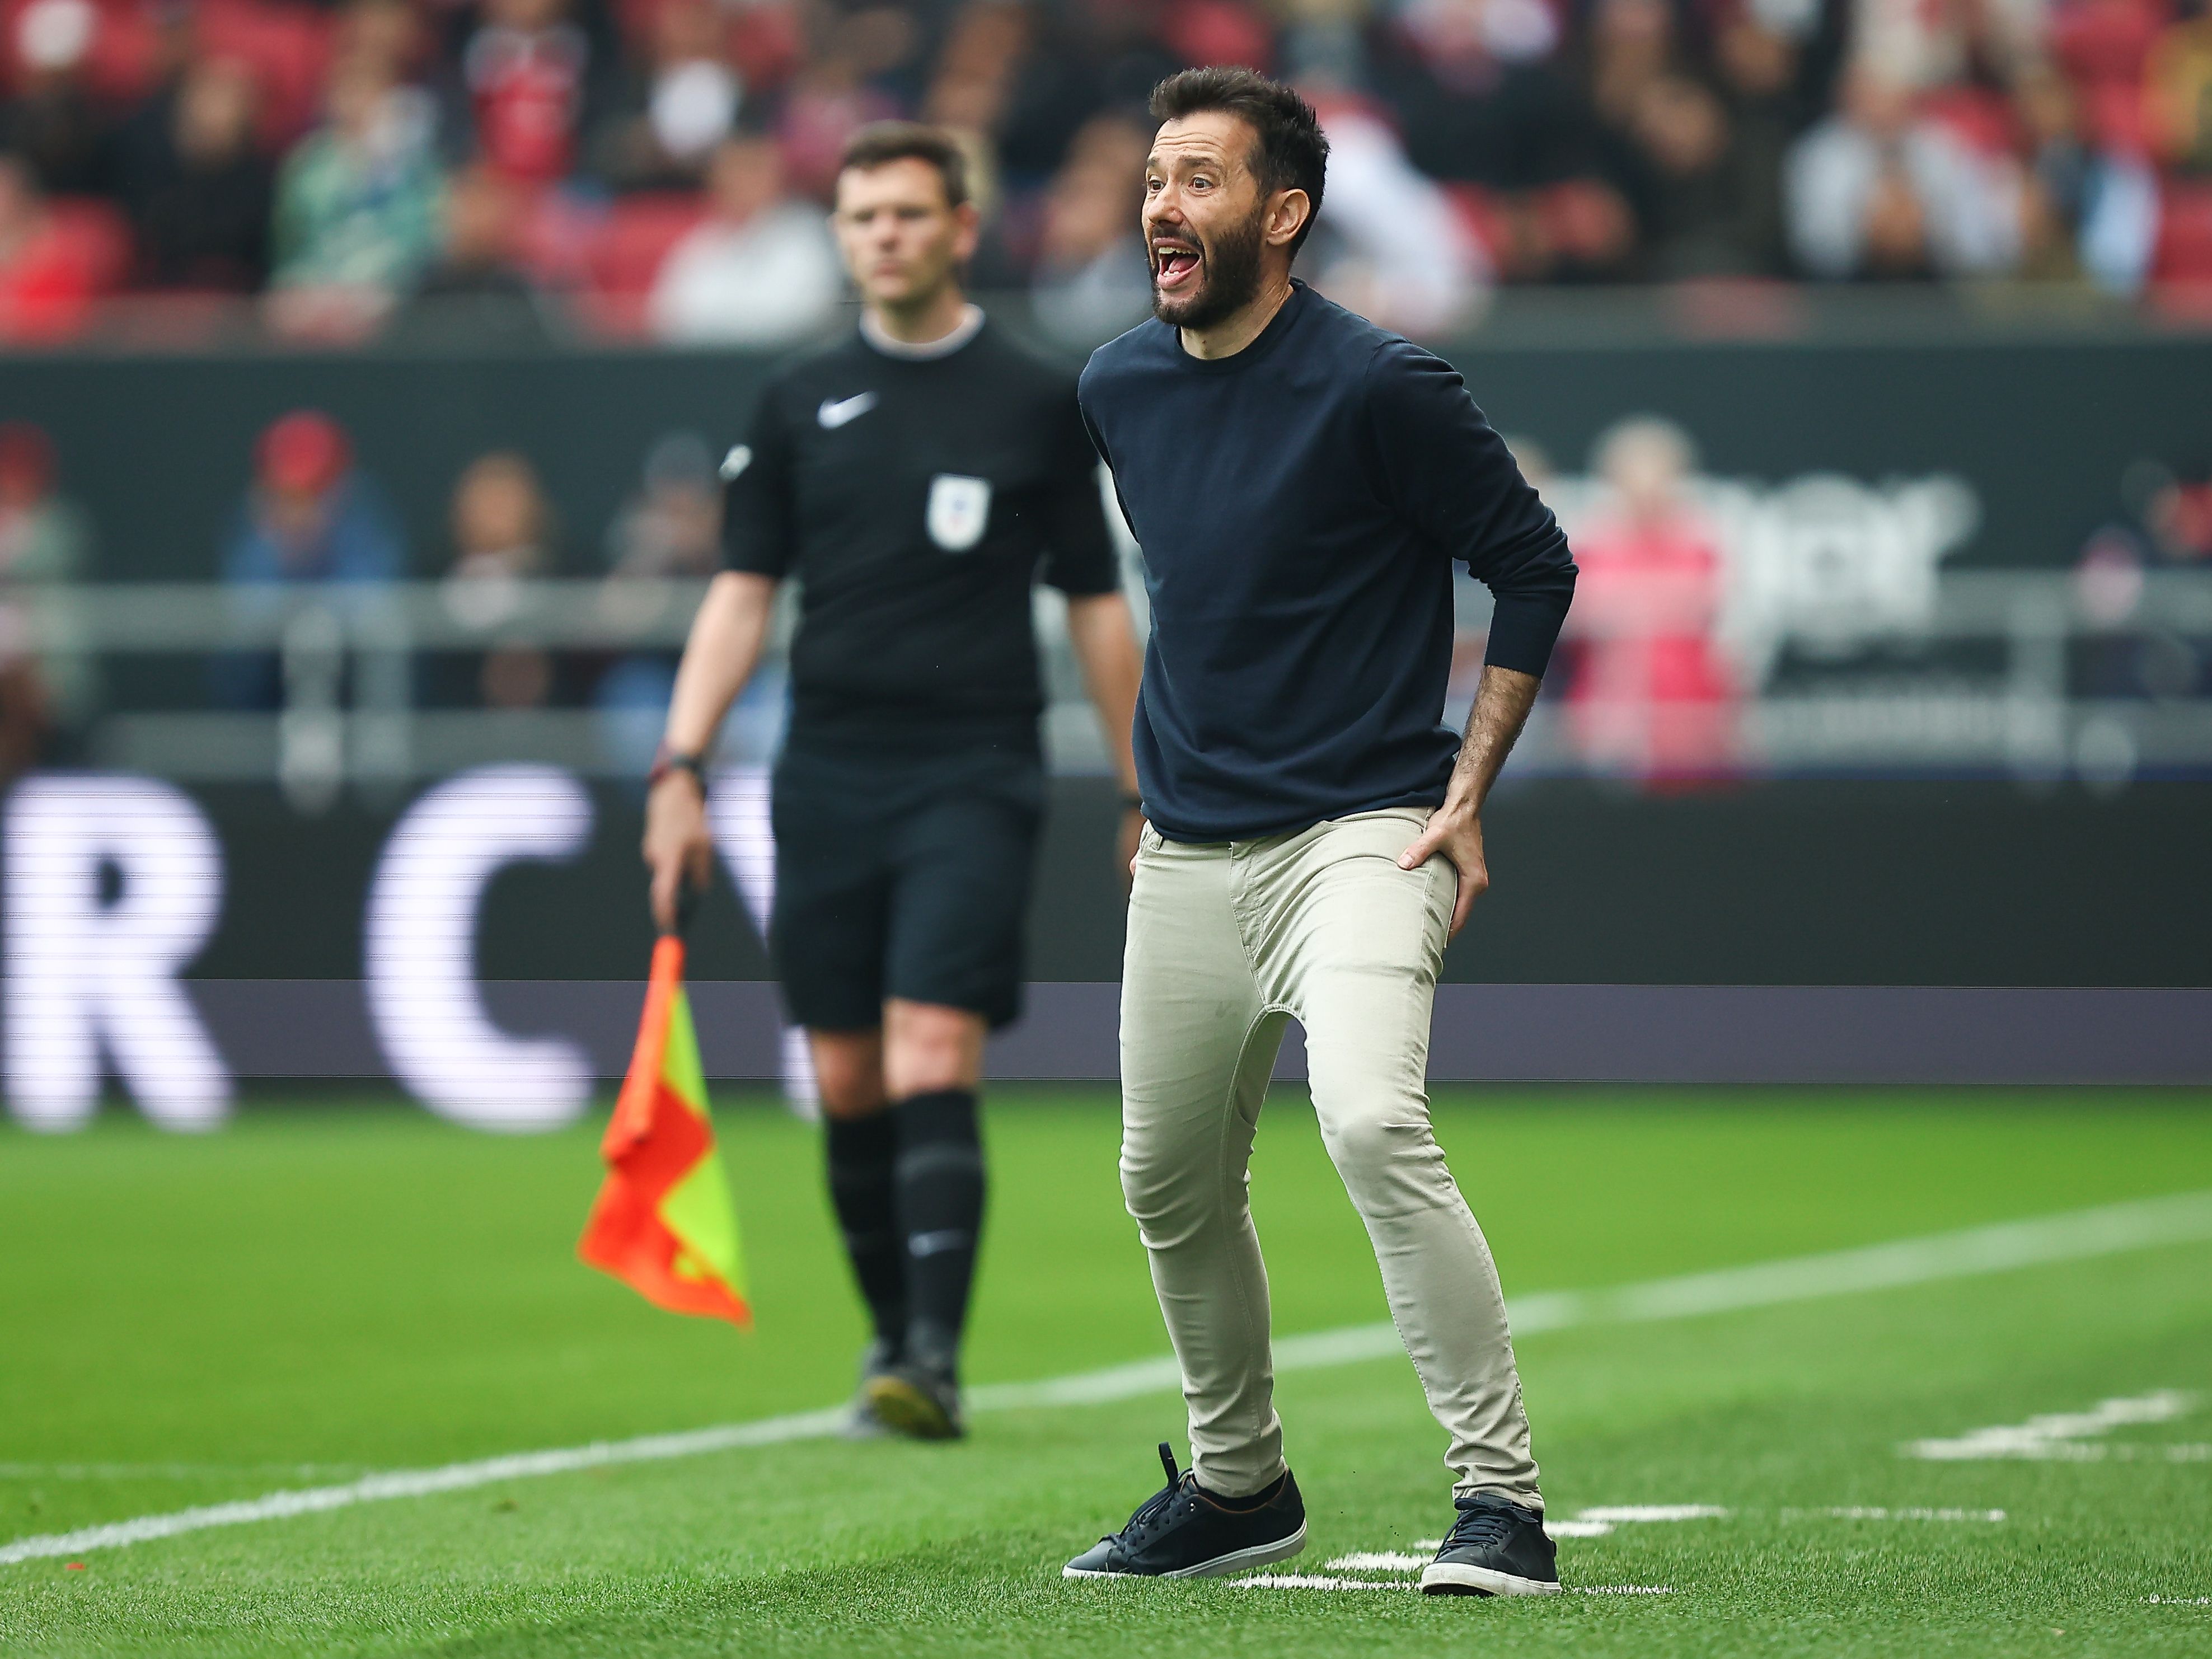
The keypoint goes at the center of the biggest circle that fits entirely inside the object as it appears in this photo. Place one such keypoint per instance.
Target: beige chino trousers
(1227, 942)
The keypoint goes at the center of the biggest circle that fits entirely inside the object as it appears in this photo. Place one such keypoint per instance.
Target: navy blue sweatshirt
(1299, 505)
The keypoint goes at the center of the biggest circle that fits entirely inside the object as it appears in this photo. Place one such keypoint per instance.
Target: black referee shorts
(906, 876)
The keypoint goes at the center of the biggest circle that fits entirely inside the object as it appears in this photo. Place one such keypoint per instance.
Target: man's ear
(968, 221)
(1287, 213)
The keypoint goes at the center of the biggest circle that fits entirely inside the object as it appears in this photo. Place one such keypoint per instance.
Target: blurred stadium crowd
(1704, 598)
(311, 515)
(656, 167)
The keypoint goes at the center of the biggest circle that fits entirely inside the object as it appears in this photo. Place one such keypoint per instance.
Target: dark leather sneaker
(861, 1423)
(916, 1399)
(1183, 1531)
(1496, 1548)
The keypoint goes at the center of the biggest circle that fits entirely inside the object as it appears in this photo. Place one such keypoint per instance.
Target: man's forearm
(1106, 649)
(1502, 702)
(719, 658)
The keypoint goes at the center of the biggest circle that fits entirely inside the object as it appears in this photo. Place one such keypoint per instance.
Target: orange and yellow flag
(663, 1223)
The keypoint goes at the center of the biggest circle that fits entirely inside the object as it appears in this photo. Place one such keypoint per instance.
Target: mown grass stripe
(2182, 1218)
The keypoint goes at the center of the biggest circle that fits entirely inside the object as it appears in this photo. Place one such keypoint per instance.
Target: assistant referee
(916, 479)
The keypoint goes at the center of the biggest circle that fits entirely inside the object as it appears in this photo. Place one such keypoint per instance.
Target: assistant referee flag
(663, 1223)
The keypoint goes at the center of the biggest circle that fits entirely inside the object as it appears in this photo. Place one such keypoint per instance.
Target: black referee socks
(862, 1152)
(940, 1211)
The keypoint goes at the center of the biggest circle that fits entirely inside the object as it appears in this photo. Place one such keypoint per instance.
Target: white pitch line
(2108, 1229)
(1314, 1581)
(1321, 1582)
(2182, 1218)
(1864, 1512)
(168, 1471)
(1637, 1514)
(2092, 1451)
(2065, 1437)
(423, 1483)
(1376, 1561)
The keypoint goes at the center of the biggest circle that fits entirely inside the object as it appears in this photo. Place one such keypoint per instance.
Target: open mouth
(1175, 265)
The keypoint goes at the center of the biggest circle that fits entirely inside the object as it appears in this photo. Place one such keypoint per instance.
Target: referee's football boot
(862, 1422)
(1184, 1531)
(1496, 1548)
(918, 1398)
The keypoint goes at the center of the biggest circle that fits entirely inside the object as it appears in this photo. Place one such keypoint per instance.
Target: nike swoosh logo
(834, 413)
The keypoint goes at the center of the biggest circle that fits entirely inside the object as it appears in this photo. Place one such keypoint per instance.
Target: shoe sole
(1259, 1555)
(905, 1409)
(862, 1424)
(1452, 1578)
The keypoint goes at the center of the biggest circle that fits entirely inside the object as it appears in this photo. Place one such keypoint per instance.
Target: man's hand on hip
(1454, 829)
(680, 848)
(1502, 702)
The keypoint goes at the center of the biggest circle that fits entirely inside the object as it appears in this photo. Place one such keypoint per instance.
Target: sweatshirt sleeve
(1080, 560)
(1446, 470)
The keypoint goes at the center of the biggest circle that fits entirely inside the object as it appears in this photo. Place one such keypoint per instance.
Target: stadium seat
(765, 41)
(47, 291)
(1487, 221)
(1977, 117)
(2181, 270)
(288, 47)
(627, 251)
(95, 240)
(120, 64)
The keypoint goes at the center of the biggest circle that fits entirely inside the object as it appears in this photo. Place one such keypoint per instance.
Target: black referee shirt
(916, 499)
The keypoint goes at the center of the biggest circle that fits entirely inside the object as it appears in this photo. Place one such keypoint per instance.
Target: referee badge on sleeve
(959, 508)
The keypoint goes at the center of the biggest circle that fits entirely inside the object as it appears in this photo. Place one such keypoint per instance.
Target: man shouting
(1300, 482)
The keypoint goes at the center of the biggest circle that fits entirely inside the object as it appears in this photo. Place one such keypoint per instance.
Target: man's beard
(1230, 278)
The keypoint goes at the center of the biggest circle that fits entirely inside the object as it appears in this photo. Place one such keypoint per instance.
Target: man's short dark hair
(1292, 151)
(882, 142)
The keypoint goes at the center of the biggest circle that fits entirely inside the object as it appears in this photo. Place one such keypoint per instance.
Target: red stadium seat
(2181, 271)
(1979, 118)
(2104, 40)
(1219, 32)
(288, 47)
(47, 291)
(627, 253)
(1485, 219)
(2184, 232)
(766, 43)
(93, 239)
(122, 62)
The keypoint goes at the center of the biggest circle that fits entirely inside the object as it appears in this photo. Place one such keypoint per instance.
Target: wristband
(666, 760)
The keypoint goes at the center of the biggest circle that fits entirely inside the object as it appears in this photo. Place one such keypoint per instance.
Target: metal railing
(2001, 674)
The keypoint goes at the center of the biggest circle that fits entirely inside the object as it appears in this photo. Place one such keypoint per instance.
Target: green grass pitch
(321, 1292)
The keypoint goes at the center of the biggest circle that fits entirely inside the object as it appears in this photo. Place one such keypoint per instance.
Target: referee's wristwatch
(666, 760)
